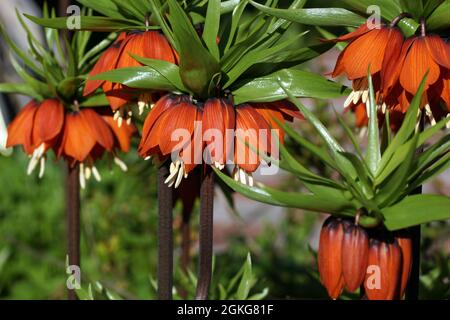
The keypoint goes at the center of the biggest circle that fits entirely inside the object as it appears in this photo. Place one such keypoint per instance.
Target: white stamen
(180, 175)
(250, 180)
(87, 173)
(119, 122)
(116, 115)
(42, 168)
(430, 114)
(236, 174)
(141, 107)
(82, 178)
(34, 161)
(173, 171)
(129, 121)
(356, 96)
(121, 164)
(242, 176)
(152, 105)
(365, 96)
(362, 132)
(96, 174)
(147, 158)
(349, 99)
(383, 108)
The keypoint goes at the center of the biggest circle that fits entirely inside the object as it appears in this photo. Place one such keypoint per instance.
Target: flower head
(215, 131)
(148, 44)
(81, 136)
(397, 67)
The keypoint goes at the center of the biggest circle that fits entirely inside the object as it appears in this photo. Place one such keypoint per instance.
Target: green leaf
(333, 145)
(315, 16)
(289, 199)
(413, 7)
(229, 5)
(299, 83)
(88, 23)
(235, 19)
(439, 19)
(169, 70)
(415, 210)
(197, 66)
(258, 55)
(105, 7)
(95, 100)
(391, 189)
(22, 55)
(133, 11)
(373, 155)
(430, 6)
(389, 10)
(247, 280)
(211, 28)
(138, 77)
(406, 130)
(20, 88)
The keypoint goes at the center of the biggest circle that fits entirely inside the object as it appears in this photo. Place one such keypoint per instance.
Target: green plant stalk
(165, 236)
(205, 234)
(412, 290)
(73, 220)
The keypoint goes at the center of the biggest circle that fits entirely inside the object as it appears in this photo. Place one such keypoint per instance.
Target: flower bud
(355, 253)
(405, 244)
(383, 270)
(330, 256)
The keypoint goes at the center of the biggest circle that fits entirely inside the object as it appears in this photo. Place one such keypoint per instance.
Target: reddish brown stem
(73, 220)
(165, 236)
(205, 234)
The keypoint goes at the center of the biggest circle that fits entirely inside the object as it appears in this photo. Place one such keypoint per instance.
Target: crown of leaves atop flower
(378, 182)
(59, 117)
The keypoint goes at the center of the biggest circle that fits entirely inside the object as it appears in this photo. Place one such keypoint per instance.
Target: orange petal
(179, 119)
(367, 50)
(49, 119)
(122, 134)
(363, 29)
(248, 144)
(76, 143)
(440, 51)
(106, 62)
(99, 129)
(417, 63)
(392, 60)
(21, 128)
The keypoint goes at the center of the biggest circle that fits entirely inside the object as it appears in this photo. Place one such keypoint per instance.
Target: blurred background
(119, 217)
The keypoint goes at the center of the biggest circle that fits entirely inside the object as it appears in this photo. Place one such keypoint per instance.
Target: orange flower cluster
(245, 121)
(79, 137)
(397, 66)
(349, 257)
(148, 44)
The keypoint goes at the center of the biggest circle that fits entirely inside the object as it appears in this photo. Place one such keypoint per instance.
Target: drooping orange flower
(37, 128)
(80, 137)
(148, 44)
(397, 68)
(225, 133)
